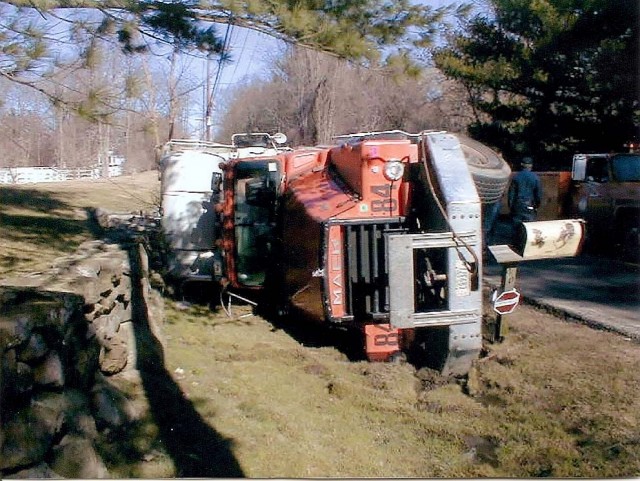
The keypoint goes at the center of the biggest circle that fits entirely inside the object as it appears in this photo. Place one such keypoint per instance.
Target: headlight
(393, 170)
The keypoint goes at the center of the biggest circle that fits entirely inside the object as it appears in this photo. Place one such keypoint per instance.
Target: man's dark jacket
(525, 195)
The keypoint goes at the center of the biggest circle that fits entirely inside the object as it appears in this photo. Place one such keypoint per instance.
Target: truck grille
(367, 272)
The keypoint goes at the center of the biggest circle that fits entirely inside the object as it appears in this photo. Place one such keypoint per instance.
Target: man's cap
(527, 161)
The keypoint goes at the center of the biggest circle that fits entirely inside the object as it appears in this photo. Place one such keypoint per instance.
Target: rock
(26, 440)
(91, 289)
(144, 260)
(112, 266)
(50, 371)
(87, 270)
(49, 409)
(23, 380)
(22, 329)
(85, 364)
(127, 333)
(106, 328)
(118, 298)
(129, 383)
(68, 411)
(92, 276)
(31, 309)
(57, 346)
(110, 407)
(155, 316)
(9, 296)
(84, 425)
(93, 311)
(76, 457)
(123, 311)
(113, 355)
(14, 330)
(40, 471)
(18, 377)
(78, 418)
(35, 349)
(157, 281)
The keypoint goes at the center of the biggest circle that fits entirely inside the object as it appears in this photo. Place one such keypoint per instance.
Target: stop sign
(506, 302)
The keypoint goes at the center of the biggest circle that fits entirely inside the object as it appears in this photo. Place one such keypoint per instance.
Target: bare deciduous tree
(312, 97)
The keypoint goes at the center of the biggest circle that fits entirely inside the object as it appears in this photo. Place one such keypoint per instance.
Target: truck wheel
(631, 246)
(490, 172)
(628, 233)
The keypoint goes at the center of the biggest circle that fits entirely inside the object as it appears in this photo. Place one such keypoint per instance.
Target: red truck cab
(380, 233)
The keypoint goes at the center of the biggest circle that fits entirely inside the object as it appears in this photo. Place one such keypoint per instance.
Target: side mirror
(279, 138)
(216, 180)
(579, 170)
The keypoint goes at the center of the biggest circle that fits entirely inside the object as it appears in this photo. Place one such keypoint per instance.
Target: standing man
(525, 195)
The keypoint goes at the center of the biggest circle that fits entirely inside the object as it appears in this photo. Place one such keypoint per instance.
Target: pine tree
(550, 77)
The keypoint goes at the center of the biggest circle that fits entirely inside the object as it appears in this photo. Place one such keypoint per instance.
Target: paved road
(603, 293)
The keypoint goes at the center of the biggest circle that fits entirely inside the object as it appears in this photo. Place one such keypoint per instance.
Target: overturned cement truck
(380, 233)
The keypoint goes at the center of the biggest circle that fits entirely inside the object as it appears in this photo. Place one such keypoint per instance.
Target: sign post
(506, 302)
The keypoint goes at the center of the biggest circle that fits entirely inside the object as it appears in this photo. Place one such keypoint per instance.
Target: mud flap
(464, 345)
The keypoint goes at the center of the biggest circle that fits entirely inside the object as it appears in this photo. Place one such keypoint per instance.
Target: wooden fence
(35, 175)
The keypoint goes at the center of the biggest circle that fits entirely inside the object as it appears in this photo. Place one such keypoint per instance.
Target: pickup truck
(605, 191)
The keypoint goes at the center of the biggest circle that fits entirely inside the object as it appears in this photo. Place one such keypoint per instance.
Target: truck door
(598, 200)
(256, 186)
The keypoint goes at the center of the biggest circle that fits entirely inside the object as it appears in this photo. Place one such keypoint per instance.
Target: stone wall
(72, 340)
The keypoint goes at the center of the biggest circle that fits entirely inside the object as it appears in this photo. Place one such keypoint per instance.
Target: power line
(210, 94)
(225, 46)
(244, 44)
(253, 51)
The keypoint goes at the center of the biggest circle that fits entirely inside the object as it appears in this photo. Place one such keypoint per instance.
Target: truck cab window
(597, 170)
(256, 189)
(626, 167)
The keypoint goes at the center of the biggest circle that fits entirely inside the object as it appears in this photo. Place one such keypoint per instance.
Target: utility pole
(208, 111)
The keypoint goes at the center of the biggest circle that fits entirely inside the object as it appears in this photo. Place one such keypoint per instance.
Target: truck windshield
(626, 167)
(251, 140)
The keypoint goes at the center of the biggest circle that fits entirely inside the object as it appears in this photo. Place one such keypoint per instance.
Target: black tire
(490, 172)
(631, 246)
(628, 233)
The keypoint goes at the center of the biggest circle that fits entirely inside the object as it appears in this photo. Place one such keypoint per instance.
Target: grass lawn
(554, 400)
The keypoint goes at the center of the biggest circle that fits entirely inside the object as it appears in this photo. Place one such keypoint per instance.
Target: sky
(251, 52)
